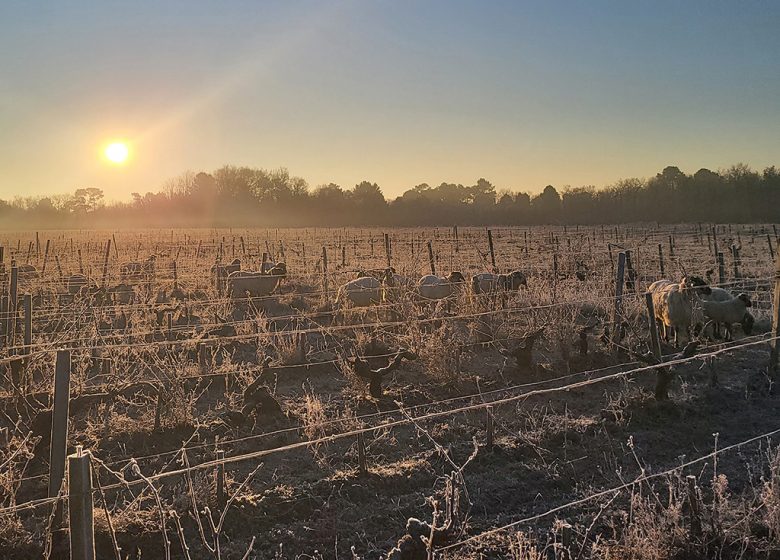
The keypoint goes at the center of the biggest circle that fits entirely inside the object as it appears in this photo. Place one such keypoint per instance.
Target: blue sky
(398, 92)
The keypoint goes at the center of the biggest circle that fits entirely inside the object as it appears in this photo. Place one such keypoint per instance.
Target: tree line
(244, 196)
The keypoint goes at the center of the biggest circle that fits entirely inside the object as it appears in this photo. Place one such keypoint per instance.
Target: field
(525, 424)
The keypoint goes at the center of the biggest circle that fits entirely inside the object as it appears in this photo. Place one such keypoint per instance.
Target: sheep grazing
(361, 292)
(487, 282)
(733, 310)
(674, 303)
(437, 287)
(130, 271)
(244, 283)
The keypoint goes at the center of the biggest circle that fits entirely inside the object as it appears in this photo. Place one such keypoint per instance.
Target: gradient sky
(399, 92)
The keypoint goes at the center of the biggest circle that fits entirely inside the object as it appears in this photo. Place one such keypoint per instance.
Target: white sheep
(244, 283)
(361, 292)
(437, 287)
(674, 303)
(733, 310)
(487, 282)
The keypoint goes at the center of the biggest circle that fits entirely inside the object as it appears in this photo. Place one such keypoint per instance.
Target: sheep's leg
(662, 329)
(729, 334)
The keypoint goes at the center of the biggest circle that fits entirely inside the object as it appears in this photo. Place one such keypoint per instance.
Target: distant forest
(244, 196)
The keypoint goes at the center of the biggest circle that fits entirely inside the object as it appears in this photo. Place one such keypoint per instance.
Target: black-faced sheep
(674, 304)
(487, 282)
(244, 283)
(436, 287)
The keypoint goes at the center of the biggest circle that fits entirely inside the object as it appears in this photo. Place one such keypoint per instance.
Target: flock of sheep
(373, 288)
(680, 307)
(693, 304)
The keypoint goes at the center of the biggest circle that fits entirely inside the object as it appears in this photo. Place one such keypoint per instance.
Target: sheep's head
(747, 323)
(745, 299)
(696, 284)
(456, 277)
(388, 277)
(516, 279)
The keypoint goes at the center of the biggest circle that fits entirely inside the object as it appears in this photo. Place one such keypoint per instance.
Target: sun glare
(117, 152)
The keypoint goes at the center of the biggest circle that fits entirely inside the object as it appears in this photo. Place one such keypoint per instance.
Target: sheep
(718, 294)
(244, 283)
(361, 292)
(673, 304)
(487, 282)
(137, 270)
(436, 287)
(727, 312)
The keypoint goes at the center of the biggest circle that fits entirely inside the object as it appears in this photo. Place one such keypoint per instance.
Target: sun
(117, 152)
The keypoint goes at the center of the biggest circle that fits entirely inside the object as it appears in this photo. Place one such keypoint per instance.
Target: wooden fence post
(59, 428)
(27, 323)
(457, 241)
(661, 259)
(721, 270)
(105, 262)
(771, 247)
(4, 315)
(492, 251)
(325, 273)
(631, 277)
(12, 303)
(59, 267)
(80, 507)
(775, 343)
(387, 251)
(45, 257)
(735, 258)
(655, 341)
(618, 312)
(431, 260)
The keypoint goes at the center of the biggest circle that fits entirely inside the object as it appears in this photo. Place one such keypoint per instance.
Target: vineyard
(153, 407)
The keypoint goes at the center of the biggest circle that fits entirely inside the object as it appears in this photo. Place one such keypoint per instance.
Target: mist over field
(243, 196)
